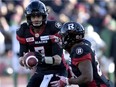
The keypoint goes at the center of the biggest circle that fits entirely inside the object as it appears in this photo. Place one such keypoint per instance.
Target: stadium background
(100, 15)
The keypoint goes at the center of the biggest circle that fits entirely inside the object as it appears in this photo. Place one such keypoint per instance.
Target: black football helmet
(71, 33)
(36, 8)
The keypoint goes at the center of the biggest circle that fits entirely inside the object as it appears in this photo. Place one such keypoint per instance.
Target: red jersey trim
(21, 40)
(75, 61)
(58, 35)
(55, 38)
(93, 84)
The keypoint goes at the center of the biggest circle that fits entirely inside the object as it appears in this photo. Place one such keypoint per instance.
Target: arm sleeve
(23, 49)
(20, 35)
(56, 38)
(56, 48)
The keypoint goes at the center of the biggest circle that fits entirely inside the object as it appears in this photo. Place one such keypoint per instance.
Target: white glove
(60, 83)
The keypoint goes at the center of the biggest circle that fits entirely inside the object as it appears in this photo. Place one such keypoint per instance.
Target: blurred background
(97, 16)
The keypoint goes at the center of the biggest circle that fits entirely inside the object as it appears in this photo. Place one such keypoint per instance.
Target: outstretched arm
(85, 77)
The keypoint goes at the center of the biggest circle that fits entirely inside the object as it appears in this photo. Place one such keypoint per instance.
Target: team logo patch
(30, 39)
(58, 24)
(79, 51)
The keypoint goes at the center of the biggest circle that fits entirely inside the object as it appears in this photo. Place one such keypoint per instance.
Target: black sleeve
(56, 49)
(20, 33)
(23, 49)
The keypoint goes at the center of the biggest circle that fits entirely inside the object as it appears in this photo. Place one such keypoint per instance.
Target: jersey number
(40, 50)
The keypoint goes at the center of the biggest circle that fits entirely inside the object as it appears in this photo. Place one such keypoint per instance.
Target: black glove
(39, 57)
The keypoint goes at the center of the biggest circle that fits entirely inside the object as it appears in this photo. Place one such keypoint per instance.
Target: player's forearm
(23, 49)
(79, 80)
(54, 60)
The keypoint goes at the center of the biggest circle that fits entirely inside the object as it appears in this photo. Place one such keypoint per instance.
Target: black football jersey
(46, 42)
(83, 52)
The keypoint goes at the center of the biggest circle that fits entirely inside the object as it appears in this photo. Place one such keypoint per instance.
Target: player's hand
(60, 83)
(21, 61)
(39, 57)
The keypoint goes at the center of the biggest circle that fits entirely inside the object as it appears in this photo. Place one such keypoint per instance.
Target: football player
(83, 60)
(41, 36)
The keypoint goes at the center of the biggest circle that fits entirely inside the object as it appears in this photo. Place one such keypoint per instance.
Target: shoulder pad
(54, 26)
(58, 25)
(24, 24)
(81, 50)
(86, 42)
(21, 29)
(81, 53)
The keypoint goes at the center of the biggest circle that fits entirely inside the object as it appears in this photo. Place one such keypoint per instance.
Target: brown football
(30, 59)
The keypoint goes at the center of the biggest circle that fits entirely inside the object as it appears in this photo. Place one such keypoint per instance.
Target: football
(30, 59)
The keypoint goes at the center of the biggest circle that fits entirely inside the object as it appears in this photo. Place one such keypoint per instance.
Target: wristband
(57, 60)
(49, 60)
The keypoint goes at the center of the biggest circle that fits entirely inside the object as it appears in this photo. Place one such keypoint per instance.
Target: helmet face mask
(36, 20)
(36, 8)
(71, 33)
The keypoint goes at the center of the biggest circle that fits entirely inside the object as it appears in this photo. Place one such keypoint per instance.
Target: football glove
(60, 83)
